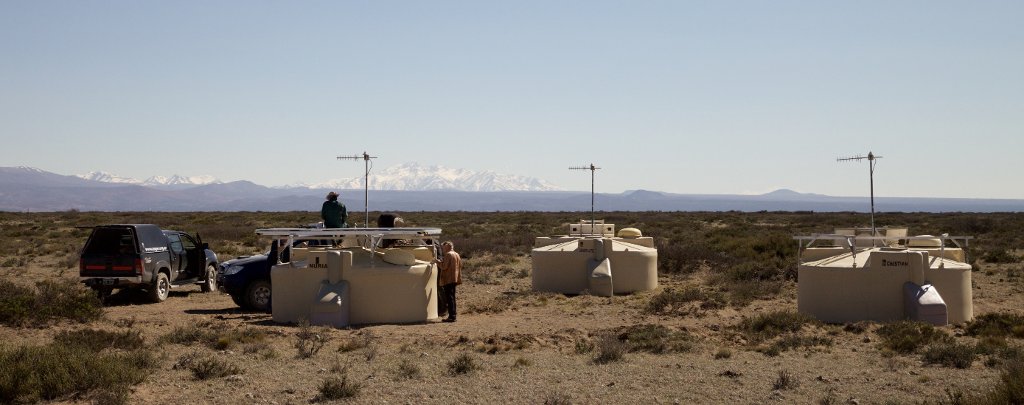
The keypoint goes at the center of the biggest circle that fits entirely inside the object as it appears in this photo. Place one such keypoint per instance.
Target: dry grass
(719, 330)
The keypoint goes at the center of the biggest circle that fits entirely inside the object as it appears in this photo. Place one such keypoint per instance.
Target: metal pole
(366, 183)
(871, 176)
(366, 189)
(593, 219)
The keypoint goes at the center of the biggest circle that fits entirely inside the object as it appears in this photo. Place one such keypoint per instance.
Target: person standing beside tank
(333, 212)
(450, 266)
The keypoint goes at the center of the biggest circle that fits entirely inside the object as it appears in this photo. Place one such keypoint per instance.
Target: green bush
(790, 342)
(767, 326)
(51, 300)
(214, 336)
(1010, 388)
(997, 324)
(950, 354)
(96, 340)
(655, 339)
(56, 370)
(907, 337)
(673, 301)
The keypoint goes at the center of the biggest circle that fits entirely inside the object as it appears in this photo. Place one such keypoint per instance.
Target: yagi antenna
(366, 181)
(592, 169)
(871, 173)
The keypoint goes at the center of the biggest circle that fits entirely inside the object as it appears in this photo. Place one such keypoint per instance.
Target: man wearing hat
(333, 212)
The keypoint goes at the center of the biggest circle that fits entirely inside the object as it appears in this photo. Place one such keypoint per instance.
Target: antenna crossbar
(592, 169)
(365, 157)
(872, 161)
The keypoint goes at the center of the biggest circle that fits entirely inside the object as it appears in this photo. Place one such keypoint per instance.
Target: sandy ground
(525, 347)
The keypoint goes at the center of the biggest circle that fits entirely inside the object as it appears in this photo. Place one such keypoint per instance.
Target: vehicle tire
(211, 279)
(103, 294)
(159, 291)
(257, 295)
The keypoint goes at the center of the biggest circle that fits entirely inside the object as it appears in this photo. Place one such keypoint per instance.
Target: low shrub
(770, 325)
(57, 370)
(997, 324)
(214, 336)
(408, 370)
(309, 340)
(207, 368)
(335, 388)
(907, 337)
(355, 343)
(785, 381)
(96, 340)
(723, 353)
(462, 364)
(52, 299)
(584, 346)
(609, 349)
(790, 342)
(1010, 388)
(673, 301)
(950, 354)
(1000, 255)
(655, 339)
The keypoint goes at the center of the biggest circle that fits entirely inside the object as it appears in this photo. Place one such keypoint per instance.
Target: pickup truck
(143, 256)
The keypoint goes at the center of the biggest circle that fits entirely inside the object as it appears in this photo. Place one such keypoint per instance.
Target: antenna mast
(871, 173)
(592, 168)
(366, 182)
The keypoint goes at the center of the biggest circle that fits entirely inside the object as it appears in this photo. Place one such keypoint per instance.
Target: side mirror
(206, 246)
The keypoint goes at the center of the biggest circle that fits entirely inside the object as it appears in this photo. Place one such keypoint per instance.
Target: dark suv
(247, 278)
(145, 257)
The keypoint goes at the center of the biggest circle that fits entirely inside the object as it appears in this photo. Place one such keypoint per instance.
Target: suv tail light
(138, 266)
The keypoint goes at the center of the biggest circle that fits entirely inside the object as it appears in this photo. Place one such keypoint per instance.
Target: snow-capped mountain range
(174, 180)
(412, 176)
(26, 189)
(407, 177)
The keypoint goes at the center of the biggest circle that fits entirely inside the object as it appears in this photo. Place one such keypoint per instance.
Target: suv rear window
(110, 241)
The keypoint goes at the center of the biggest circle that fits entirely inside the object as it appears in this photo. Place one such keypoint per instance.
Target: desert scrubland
(721, 328)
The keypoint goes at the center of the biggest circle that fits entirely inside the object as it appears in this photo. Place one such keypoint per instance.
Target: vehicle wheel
(211, 279)
(160, 289)
(257, 295)
(103, 293)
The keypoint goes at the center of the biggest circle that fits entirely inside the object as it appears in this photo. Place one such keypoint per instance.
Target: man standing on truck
(333, 212)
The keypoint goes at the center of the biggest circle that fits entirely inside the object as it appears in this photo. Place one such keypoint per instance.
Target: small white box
(923, 303)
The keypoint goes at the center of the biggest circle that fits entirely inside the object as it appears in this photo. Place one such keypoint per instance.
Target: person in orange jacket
(450, 266)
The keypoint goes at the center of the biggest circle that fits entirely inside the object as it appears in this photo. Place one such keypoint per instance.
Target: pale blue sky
(716, 97)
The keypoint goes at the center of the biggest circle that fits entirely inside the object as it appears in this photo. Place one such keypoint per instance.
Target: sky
(693, 97)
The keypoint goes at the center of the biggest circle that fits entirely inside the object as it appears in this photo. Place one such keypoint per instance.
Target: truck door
(196, 256)
(179, 257)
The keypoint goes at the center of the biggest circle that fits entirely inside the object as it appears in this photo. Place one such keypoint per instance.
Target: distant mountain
(412, 176)
(177, 180)
(173, 182)
(108, 178)
(30, 189)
